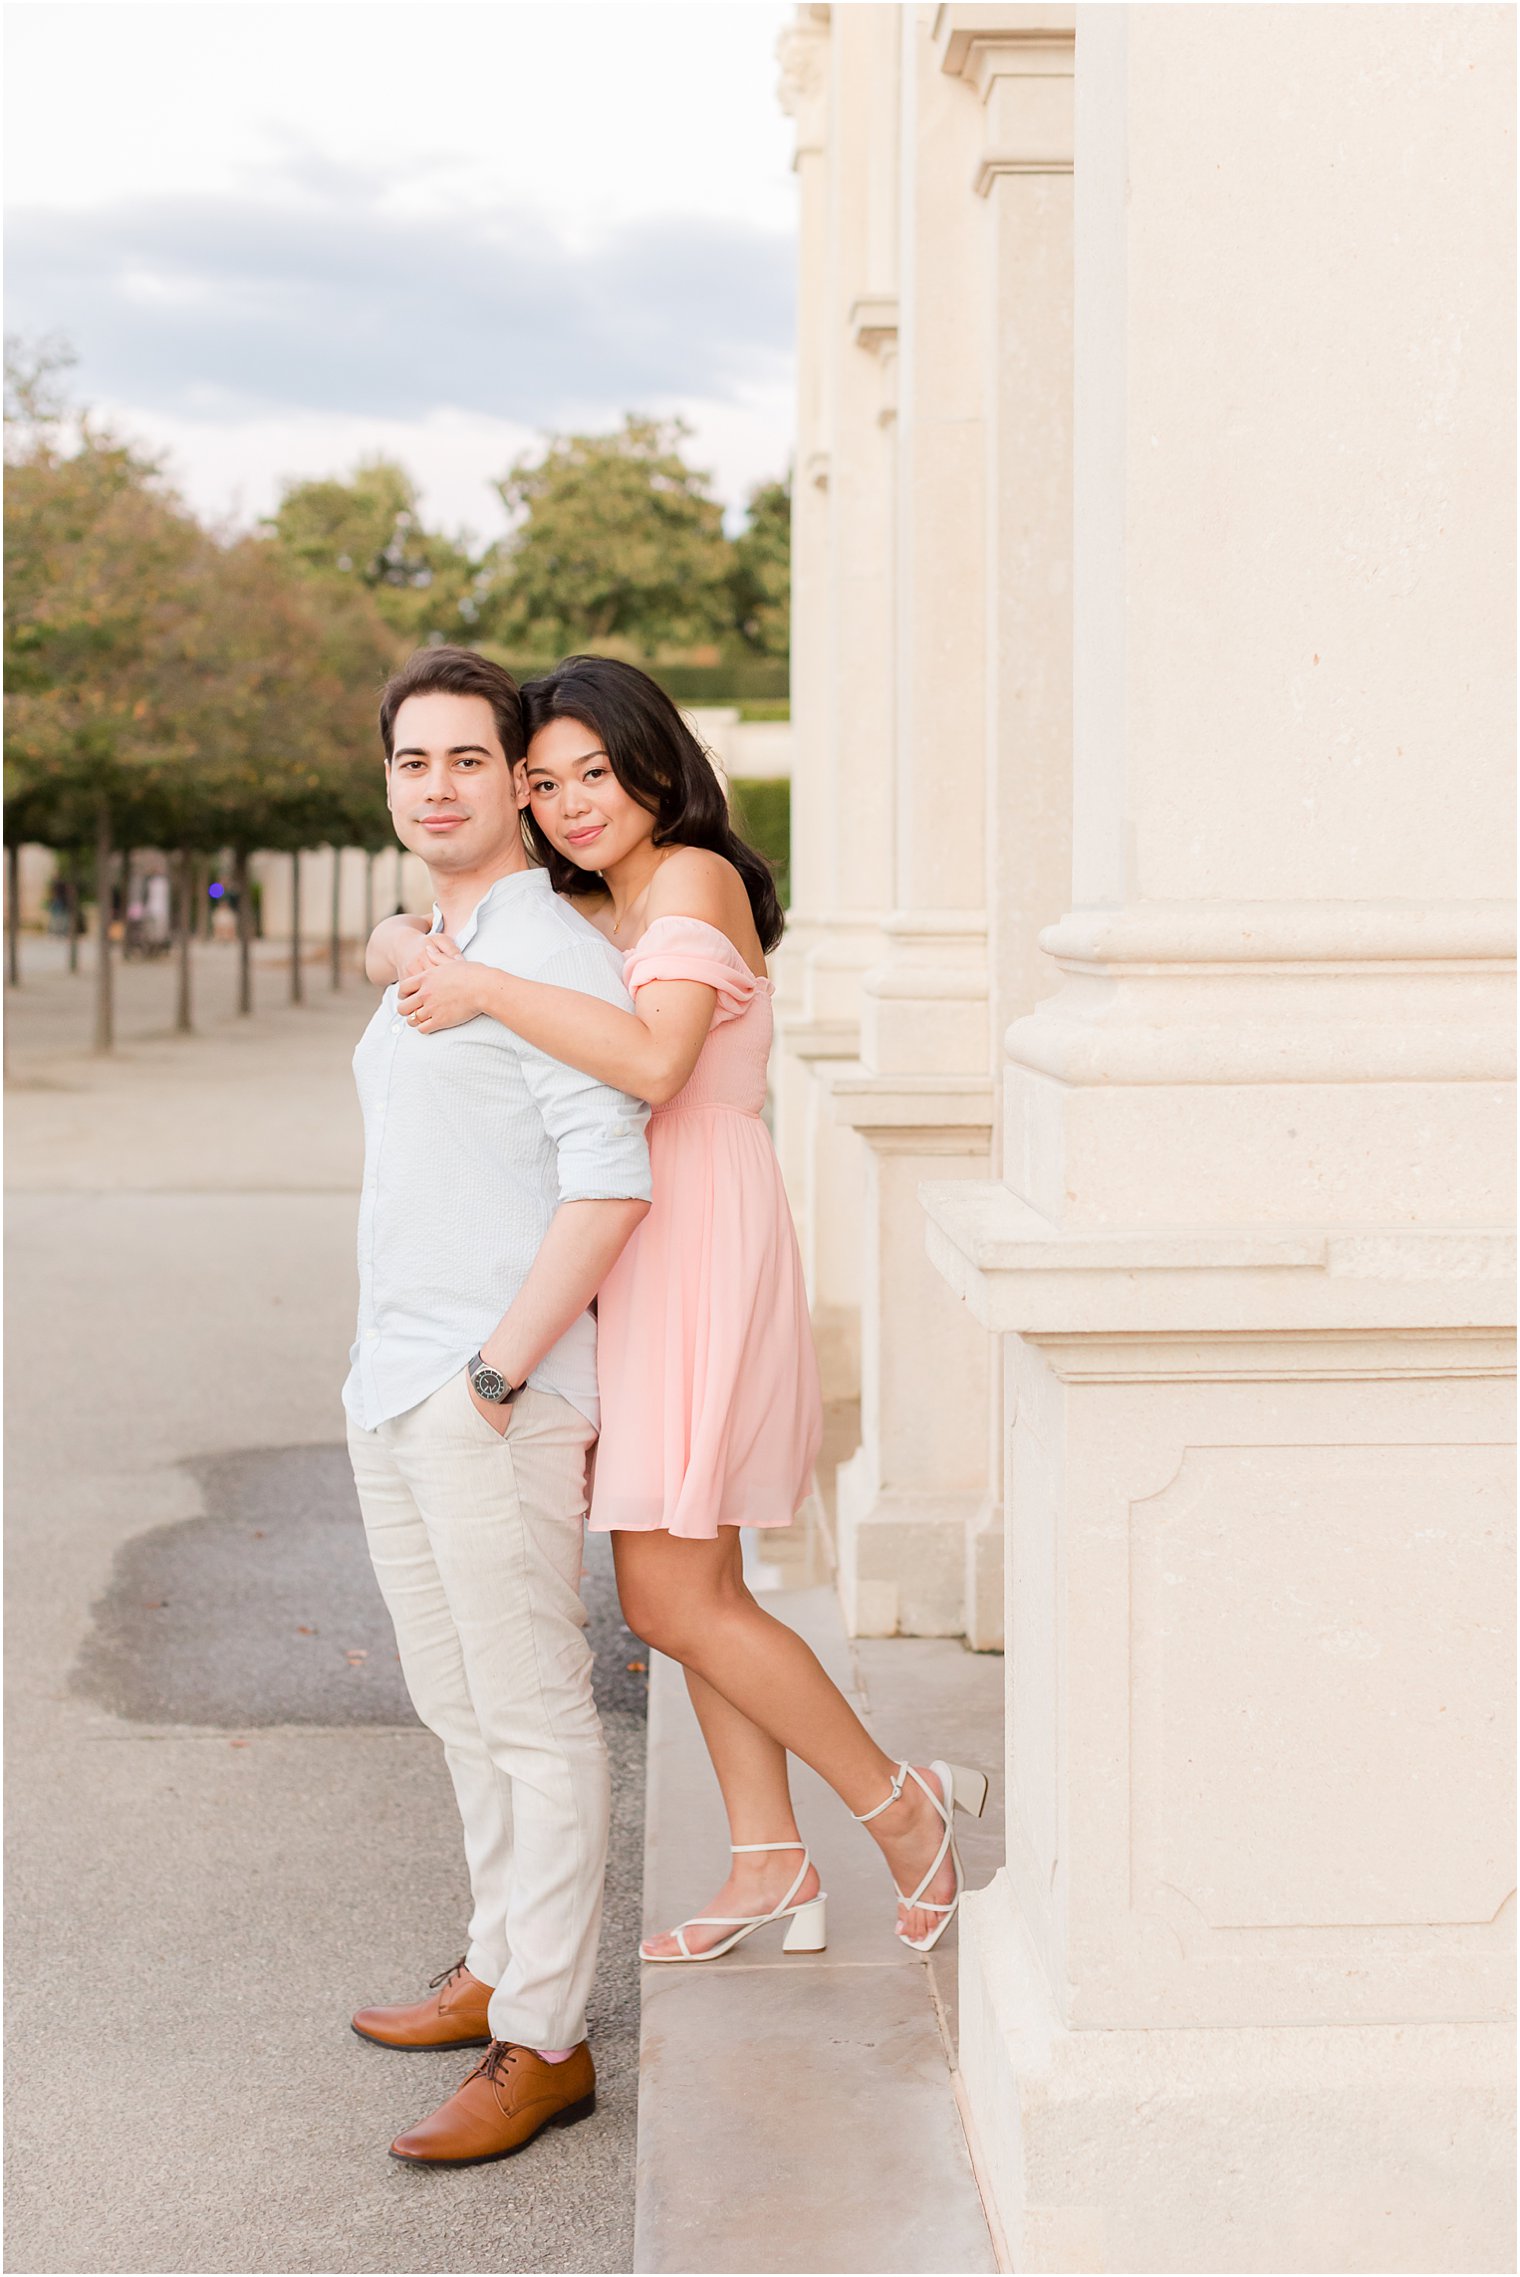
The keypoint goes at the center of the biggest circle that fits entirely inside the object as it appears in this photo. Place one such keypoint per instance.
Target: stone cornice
(1020, 62)
(977, 43)
(873, 321)
(995, 164)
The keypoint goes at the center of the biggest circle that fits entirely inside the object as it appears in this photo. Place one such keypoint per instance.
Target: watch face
(490, 1384)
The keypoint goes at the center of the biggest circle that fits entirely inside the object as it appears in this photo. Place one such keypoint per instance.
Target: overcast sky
(283, 233)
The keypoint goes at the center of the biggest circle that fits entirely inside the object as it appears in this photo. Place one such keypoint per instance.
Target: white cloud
(589, 111)
(286, 233)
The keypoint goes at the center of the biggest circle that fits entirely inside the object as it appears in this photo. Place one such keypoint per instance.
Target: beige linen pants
(476, 1541)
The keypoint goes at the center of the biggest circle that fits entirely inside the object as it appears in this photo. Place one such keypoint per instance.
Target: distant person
(132, 938)
(711, 1415)
(499, 1188)
(157, 929)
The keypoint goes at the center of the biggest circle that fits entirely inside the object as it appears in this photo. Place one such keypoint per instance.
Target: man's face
(452, 795)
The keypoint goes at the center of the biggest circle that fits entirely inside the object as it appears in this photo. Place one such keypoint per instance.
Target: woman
(709, 1386)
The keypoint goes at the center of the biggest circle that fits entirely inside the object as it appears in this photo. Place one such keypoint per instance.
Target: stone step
(798, 2112)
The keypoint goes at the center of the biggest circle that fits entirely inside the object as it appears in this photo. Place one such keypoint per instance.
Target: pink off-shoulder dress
(711, 1414)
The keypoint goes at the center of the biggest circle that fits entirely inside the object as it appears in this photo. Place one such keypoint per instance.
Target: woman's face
(578, 802)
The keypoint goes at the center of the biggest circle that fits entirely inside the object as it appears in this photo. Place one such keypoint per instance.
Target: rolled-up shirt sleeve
(597, 1132)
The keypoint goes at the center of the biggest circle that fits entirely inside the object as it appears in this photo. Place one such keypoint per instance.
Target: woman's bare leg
(689, 1599)
(752, 1774)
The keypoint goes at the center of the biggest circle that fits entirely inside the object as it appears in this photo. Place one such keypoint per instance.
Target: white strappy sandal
(962, 1791)
(808, 1933)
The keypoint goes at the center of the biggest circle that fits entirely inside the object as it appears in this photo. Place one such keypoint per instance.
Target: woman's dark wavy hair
(658, 761)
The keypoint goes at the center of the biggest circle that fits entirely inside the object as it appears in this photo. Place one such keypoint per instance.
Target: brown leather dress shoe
(509, 2096)
(453, 2016)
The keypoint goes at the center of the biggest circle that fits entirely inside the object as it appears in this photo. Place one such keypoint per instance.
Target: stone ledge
(1022, 1275)
(868, 1101)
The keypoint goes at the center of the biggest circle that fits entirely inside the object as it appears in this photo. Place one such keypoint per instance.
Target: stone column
(803, 57)
(1237, 2000)
(1018, 61)
(810, 93)
(920, 1094)
(842, 829)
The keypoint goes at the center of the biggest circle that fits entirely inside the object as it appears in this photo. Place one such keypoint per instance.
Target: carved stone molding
(873, 321)
(803, 89)
(1020, 62)
(966, 35)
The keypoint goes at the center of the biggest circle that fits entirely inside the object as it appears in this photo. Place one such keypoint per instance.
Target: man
(499, 1187)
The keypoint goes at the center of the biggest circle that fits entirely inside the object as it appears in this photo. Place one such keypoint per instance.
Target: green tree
(369, 532)
(166, 689)
(616, 538)
(283, 753)
(761, 578)
(101, 575)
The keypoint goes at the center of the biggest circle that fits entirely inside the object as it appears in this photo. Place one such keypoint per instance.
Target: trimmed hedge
(762, 813)
(755, 679)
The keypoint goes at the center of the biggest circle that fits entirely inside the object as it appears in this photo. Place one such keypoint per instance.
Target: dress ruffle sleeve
(687, 948)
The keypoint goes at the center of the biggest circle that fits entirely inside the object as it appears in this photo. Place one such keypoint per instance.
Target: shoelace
(500, 2056)
(494, 2061)
(447, 1976)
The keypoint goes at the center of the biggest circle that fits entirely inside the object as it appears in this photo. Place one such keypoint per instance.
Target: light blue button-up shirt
(472, 1139)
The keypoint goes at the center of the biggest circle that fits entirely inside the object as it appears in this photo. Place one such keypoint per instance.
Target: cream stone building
(1144, 1089)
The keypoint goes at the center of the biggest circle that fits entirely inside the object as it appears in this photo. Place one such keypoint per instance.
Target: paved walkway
(226, 1829)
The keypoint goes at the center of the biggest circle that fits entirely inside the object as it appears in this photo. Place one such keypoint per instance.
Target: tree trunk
(296, 996)
(76, 917)
(105, 1024)
(337, 917)
(13, 916)
(184, 925)
(244, 889)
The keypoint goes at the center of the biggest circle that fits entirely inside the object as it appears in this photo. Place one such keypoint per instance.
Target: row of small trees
(211, 694)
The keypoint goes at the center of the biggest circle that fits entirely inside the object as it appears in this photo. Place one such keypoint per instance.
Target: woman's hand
(441, 992)
(421, 955)
(398, 943)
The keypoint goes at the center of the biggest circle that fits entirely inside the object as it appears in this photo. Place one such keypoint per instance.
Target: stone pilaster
(920, 1094)
(1249, 1261)
(842, 700)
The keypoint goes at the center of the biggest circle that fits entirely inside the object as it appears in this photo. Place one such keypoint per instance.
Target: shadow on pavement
(265, 1610)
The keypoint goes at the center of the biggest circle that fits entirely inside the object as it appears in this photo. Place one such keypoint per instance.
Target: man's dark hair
(456, 672)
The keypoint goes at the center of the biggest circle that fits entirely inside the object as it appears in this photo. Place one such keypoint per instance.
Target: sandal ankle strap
(898, 1784)
(738, 1849)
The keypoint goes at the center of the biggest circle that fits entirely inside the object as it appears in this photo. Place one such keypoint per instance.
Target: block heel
(969, 1788)
(809, 1932)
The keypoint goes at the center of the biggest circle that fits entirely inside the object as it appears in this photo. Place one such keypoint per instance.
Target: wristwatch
(489, 1383)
